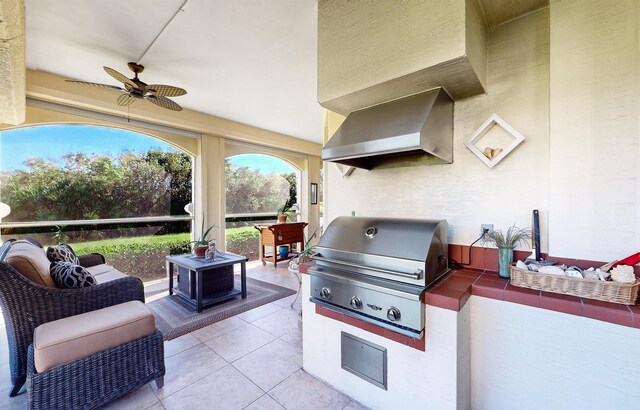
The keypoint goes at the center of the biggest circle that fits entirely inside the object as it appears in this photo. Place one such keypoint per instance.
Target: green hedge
(143, 256)
(243, 241)
(178, 242)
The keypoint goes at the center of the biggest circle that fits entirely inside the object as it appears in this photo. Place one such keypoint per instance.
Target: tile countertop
(455, 289)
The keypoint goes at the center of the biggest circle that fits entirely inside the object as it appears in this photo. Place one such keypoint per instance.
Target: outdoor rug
(174, 317)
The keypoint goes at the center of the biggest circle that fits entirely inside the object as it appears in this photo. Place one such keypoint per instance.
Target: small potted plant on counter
(201, 245)
(506, 244)
(306, 254)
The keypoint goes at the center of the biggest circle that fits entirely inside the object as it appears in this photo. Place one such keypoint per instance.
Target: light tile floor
(250, 361)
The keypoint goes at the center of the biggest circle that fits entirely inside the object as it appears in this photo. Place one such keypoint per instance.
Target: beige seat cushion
(31, 261)
(72, 338)
(109, 276)
(105, 273)
(99, 269)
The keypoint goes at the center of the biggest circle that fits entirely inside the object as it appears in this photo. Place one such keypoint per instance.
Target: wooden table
(276, 234)
(198, 275)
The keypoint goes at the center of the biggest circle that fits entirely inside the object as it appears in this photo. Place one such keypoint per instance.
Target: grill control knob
(393, 314)
(325, 293)
(356, 302)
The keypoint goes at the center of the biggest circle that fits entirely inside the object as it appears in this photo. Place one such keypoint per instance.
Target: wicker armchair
(26, 305)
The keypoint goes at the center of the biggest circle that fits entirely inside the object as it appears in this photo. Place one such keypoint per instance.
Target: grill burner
(377, 269)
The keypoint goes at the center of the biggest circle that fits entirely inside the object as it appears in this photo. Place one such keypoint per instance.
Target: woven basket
(614, 292)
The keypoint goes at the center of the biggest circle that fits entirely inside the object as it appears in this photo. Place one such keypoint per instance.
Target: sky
(263, 163)
(54, 141)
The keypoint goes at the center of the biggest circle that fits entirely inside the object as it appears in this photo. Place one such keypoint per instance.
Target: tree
(79, 186)
(178, 167)
(293, 188)
(250, 191)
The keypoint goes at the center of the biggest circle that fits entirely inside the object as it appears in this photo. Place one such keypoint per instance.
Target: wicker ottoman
(84, 361)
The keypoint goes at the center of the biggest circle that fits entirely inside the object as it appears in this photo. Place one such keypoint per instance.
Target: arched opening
(101, 189)
(258, 188)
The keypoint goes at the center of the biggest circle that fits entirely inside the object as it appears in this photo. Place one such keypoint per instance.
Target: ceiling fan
(136, 90)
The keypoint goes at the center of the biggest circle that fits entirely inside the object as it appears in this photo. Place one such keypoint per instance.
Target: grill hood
(387, 244)
(415, 129)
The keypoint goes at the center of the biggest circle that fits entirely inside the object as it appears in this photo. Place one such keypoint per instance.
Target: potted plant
(282, 213)
(506, 244)
(201, 245)
(309, 251)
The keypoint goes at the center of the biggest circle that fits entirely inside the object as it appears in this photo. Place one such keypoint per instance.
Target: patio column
(209, 187)
(12, 56)
(310, 213)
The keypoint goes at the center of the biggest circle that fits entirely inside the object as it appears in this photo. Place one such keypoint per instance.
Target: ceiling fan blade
(165, 90)
(163, 102)
(120, 77)
(113, 87)
(125, 99)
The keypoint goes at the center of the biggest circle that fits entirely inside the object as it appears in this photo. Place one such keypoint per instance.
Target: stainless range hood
(415, 129)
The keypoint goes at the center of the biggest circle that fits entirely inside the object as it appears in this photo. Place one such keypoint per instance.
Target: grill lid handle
(415, 275)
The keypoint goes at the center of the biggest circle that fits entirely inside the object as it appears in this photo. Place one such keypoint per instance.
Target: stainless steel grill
(377, 269)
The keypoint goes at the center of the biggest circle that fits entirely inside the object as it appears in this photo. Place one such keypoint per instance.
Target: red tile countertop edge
(453, 291)
(450, 293)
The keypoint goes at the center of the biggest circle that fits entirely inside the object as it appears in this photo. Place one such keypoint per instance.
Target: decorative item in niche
(345, 170)
(492, 155)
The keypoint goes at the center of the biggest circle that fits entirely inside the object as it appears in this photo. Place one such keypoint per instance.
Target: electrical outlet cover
(486, 226)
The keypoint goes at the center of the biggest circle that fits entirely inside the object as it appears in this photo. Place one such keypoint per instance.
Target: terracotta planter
(199, 250)
(282, 219)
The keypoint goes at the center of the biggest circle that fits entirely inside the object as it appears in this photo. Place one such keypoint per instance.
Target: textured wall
(371, 52)
(12, 62)
(530, 358)
(476, 40)
(467, 193)
(594, 189)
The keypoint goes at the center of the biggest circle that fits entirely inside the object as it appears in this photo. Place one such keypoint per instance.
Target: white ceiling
(251, 61)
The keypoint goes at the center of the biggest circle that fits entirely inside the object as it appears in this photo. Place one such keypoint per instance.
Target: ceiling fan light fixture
(135, 89)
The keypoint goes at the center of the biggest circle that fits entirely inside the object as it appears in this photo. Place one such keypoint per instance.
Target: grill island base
(274, 235)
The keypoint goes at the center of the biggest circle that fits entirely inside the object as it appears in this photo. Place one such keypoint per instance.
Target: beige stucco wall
(467, 193)
(12, 61)
(372, 52)
(594, 189)
(567, 78)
